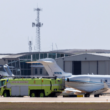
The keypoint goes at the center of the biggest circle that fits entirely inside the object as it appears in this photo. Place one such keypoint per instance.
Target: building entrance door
(76, 67)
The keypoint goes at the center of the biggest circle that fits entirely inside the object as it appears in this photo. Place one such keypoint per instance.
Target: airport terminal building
(18, 65)
(73, 61)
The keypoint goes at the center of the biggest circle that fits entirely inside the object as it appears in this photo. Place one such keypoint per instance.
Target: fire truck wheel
(41, 94)
(32, 94)
(53, 95)
(5, 94)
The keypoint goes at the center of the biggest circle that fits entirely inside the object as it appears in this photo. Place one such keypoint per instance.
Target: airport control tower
(38, 24)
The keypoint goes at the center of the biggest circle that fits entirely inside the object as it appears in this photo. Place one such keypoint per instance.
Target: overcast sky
(69, 24)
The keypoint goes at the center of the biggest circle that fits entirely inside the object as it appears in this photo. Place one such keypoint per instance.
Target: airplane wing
(106, 88)
(70, 91)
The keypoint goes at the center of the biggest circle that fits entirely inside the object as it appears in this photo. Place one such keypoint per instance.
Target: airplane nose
(67, 79)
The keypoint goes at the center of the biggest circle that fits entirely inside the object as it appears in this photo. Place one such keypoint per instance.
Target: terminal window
(41, 71)
(36, 71)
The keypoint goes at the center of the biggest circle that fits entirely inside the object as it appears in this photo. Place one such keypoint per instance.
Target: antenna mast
(30, 46)
(38, 25)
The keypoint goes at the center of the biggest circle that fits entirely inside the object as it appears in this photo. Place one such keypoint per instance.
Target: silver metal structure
(30, 46)
(38, 25)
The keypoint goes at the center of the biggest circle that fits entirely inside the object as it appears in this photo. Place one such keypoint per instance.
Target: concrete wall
(86, 57)
(85, 67)
(89, 64)
(89, 67)
(102, 67)
(60, 62)
(108, 67)
(68, 66)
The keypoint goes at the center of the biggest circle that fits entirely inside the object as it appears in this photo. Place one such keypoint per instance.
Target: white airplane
(86, 84)
(5, 71)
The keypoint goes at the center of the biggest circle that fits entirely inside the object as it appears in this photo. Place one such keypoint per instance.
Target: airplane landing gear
(97, 95)
(87, 95)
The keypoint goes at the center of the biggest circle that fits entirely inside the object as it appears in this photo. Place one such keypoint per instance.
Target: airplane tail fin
(7, 69)
(51, 67)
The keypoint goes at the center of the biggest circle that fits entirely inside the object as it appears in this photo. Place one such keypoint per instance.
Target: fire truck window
(2, 83)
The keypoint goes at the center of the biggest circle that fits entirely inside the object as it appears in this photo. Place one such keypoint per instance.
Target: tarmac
(58, 99)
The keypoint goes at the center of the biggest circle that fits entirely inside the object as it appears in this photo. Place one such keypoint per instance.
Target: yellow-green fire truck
(33, 87)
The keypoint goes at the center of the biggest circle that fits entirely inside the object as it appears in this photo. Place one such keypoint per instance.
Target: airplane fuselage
(88, 83)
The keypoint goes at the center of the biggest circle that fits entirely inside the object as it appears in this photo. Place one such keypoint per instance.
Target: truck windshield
(2, 83)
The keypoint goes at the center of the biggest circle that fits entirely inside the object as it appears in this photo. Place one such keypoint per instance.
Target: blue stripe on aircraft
(57, 72)
(84, 81)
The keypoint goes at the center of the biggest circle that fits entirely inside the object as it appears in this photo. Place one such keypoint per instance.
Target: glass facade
(14, 66)
(40, 70)
(26, 57)
(29, 57)
(43, 55)
(66, 55)
(9, 62)
(18, 68)
(36, 72)
(25, 68)
(25, 72)
(52, 55)
(35, 57)
(21, 67)
(60, 55)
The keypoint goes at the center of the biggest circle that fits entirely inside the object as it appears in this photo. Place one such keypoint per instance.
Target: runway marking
(55, 100)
